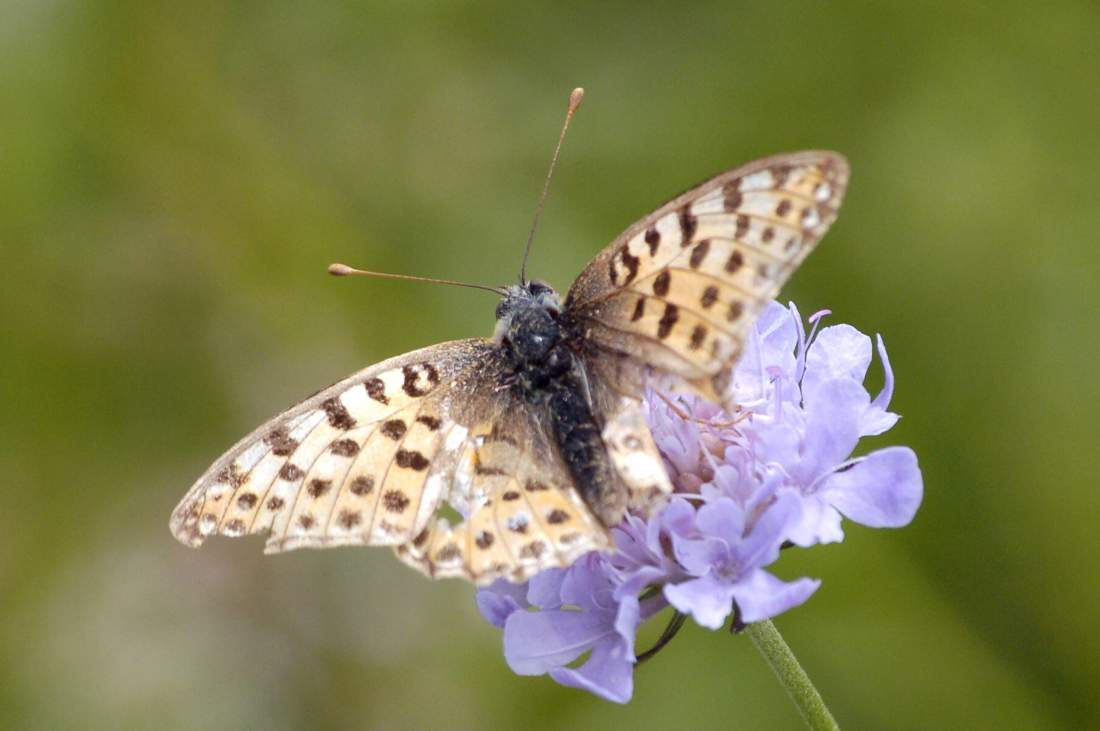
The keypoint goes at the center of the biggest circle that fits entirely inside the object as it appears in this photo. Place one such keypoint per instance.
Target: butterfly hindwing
(522, 512)
(679, 288)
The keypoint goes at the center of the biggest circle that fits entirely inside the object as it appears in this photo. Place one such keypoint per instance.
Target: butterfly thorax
(539, 344)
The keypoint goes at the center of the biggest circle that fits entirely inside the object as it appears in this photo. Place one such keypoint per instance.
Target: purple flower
(773, 468)
(808, 419)
(725, 554)
(579, 613)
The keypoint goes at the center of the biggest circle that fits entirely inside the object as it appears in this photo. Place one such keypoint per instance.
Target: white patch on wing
(762, 180)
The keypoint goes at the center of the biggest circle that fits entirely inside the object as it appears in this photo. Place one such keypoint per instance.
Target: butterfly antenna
(343, 270)
(574, 102)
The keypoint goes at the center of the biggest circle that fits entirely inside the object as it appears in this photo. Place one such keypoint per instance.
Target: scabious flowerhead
(773, 468)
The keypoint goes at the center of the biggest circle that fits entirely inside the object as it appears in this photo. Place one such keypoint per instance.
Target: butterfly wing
(376, 458)
(679, 289)
(519, 512)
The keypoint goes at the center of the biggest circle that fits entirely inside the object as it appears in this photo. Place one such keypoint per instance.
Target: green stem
(784, 664)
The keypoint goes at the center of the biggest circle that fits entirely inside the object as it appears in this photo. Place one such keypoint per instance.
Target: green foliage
(176, 180)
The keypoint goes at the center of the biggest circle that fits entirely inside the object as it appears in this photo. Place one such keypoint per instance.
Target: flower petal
(587, 584)
(608, 673)
(544, 589)
(497, 601)
(762, 596)
(878, 419)
(761, 546)
(537, 642)
(678, 518)
(838, 351)
(819, 523)
(770, 345)
(707, 600)
(834, 415)
(882, 490)
(699, 555)
(722, 518)
(635, 580)
(627, 620)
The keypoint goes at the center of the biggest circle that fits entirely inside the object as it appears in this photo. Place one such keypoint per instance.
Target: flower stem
(784, 664)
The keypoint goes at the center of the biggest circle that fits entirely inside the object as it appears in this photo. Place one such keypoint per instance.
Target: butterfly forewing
(679, 288)
(377, 458)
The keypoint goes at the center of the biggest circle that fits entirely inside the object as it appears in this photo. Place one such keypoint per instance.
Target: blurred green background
(174, 182)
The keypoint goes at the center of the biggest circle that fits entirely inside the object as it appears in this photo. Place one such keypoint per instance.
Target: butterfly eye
(537, 288)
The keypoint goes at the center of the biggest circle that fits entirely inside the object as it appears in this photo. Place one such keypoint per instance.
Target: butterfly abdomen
(546, 372)
(583, 450)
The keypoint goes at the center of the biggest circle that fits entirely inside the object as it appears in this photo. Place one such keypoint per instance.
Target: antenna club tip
(339, 270)
(575, 99)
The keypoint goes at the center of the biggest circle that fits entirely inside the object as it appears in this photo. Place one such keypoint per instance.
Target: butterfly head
(527, 320)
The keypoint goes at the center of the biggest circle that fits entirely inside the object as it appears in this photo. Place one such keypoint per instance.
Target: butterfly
(499, 457)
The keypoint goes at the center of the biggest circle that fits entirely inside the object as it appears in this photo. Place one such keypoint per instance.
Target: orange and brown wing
(679, 289)
(426, 452)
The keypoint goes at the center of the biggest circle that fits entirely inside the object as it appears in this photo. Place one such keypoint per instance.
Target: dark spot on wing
(394, 429)
(291, 472)
(783, 208)
(731, 196)
(338, 416)
(345, 447)
(742, 226)
(275, 504)
(510, 496)
(247, 501)
(348, 519)
(429, 421)
(698, 335)
(411, 459)
(639, 310)
(484, 539)
(699, 253)
(710, 296)
(280, 442)
(735, 262)
(661, 283)
(362, 485)
(534, 549)
(652, 239)
(395, 501)
(306, 521)
(232, 475)
(317, 488)
(556, 517)
(735, 310)
(630, 262)
(668, 319)
(688, 224)
(413, 375)
(376, 389)
(535, 486)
